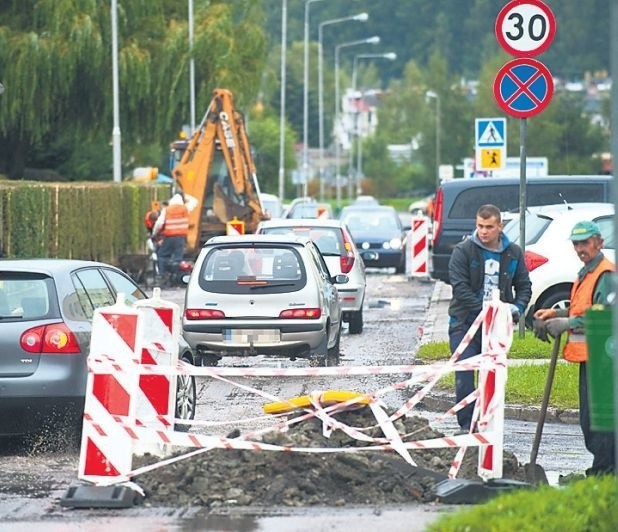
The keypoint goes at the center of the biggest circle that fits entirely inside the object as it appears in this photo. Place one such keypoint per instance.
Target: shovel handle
(542, 414)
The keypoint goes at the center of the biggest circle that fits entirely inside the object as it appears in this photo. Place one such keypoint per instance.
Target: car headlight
(393, 243)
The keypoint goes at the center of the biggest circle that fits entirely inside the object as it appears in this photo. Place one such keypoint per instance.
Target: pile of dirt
(224, 477)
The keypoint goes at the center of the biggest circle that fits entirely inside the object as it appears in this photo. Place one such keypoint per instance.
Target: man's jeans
(171, 250)
(464, 380)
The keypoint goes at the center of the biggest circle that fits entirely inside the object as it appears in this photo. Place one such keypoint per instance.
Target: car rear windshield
(368, 221)
(25, 296)
(253, 270)
(535, 227)
(328, 239)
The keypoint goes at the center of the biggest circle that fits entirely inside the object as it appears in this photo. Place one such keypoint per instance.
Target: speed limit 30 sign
(525, 28)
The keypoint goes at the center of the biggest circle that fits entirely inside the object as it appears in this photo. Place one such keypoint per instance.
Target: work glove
(514, 312)
(556, 326)
(540, 330)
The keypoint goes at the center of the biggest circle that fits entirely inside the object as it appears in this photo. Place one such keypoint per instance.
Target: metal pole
(336, 126)
(116, 137)
(522, 202)
(321, 108)
(284, 22)
(437, 141)
(191, 69)
(614, 151)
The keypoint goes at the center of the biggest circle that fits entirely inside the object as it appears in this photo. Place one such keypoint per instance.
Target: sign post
(523, 87)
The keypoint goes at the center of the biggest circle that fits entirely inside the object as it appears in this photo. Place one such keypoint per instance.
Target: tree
(55, 57)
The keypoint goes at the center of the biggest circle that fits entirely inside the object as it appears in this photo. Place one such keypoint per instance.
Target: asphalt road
(398, 312)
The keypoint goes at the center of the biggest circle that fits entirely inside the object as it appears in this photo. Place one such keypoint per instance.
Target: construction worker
(152, 215)
(173, 225)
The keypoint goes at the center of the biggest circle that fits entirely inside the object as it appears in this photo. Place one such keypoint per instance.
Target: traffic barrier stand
(119, 398)
(419, 246)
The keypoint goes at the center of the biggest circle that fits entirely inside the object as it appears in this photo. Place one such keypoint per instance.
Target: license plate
(251, 336)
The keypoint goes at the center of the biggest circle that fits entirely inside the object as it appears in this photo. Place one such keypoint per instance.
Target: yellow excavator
(215, 167)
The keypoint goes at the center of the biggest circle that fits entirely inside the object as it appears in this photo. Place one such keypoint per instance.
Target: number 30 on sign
(525, 28)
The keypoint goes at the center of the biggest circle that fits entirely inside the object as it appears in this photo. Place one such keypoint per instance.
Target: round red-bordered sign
(523, 87)
(525, 28)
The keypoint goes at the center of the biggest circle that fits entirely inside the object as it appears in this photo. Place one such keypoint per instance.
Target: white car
(271, 204)
(550, 257)
(267, 295)
(341, 255)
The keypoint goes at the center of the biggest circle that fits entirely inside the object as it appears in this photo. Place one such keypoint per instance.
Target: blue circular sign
(523, 87)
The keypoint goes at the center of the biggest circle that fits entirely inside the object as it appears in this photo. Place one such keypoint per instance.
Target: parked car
(263, 295)
(46, 310)
(458, 200)
(271, 204)
(365, 200)
(341, 255)
(378, 234)
(308, 208)
(549, 254)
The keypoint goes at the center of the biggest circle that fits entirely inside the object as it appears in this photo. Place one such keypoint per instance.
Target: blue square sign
(490, 132)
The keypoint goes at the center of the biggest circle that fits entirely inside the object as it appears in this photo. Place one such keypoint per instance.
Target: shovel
(534, 472)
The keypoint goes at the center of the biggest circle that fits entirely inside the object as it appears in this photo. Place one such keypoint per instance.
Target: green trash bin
(600, 368)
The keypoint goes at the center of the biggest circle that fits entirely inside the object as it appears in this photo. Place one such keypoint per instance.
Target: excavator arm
(217, 169)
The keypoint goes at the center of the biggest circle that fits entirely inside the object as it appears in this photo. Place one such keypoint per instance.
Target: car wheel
(401, 268)
(332, 357)
(558, 298)
(186, 398)
(356, 322)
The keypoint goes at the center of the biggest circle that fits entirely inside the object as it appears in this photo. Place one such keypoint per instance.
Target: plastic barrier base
(462, 491)
(85, 496)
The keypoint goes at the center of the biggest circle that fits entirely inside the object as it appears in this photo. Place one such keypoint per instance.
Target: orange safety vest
(176, 221)
(582, 293)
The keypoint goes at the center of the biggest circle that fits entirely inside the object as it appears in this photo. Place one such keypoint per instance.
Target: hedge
(91, 221)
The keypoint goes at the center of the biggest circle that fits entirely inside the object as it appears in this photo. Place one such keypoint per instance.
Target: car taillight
(534, 260)
(301, 313)
(437, 215)
(203, 314)
(52, 339)
(186, 266)
(346, 261)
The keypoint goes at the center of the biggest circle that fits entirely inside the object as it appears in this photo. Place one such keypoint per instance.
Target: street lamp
(361, 17)
(391, 56)
(370, 40)
(306, 98)
(116, 138)
(432, 94)
(191, 69)
(284, 27)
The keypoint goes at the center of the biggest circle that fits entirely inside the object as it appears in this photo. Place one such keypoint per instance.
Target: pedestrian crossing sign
(490, 158)
(490, 132)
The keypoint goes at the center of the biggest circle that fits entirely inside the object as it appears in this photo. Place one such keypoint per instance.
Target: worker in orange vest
(593, 285)
(173, 225)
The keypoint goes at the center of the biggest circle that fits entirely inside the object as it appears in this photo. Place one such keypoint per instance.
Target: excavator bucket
(225, 209)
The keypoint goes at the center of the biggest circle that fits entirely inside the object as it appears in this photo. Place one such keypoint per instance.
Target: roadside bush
(590, 504)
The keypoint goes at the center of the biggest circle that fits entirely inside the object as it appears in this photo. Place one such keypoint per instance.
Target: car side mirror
(340, 279)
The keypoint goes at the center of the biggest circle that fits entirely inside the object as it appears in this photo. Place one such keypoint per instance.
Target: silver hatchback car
(341, 255)
(262, 295)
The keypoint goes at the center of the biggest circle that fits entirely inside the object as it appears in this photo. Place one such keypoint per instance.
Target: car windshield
(238, 269)
(25, 296)
(535, 227)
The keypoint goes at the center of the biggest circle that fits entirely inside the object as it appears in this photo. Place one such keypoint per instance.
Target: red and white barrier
(419, 246)
(130, 397)
(118, 397)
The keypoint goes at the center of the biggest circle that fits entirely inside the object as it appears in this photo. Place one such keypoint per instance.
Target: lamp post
(432, 94)
(370, 40)
(284, 24)
(191, 69)
(391, 56)
(116, 137)
(361, 17)
(306, 98)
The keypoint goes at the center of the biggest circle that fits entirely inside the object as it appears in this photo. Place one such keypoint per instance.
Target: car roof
(48, 266)
(302, 222)
(461, 183)
(368, 208)
(260, 239)
(580, 208)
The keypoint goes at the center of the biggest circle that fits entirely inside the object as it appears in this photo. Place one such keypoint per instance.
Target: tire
(186, 399)
(356, 322)
(557, 297)
(401, 268)
(332, 356)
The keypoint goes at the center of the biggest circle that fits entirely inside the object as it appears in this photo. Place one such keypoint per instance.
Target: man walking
(592, 286)
(173, 224)
(484, 262)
